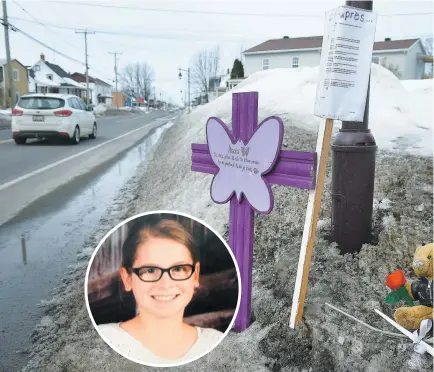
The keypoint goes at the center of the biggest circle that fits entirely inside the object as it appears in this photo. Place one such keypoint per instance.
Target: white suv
(52, 115)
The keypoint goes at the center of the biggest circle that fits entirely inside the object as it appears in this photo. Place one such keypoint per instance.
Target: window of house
(37, 68)
(50, 77)
(376, 60)
(16, 74)
(265, 63)
(295, 62)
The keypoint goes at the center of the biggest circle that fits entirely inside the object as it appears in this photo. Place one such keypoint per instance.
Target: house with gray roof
(48, 77)
(405, 58)
(101, 91)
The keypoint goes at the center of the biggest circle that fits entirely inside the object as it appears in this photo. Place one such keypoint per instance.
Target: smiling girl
(160, 265)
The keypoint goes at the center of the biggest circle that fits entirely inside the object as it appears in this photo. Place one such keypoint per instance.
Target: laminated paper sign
(345, 63)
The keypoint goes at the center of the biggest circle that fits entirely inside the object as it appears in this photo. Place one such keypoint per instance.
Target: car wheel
(93, 135)
(76, 136)
(20, 140)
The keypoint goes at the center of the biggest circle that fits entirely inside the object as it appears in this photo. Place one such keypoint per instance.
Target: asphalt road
(60, 208)
(31, 171)
(16, 161)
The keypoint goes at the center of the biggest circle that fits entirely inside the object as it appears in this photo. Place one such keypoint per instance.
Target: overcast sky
(169, 40)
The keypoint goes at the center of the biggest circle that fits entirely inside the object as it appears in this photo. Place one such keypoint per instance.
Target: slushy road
(30, 171)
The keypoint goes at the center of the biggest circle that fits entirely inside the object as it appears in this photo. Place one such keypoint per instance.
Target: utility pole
(85, 32)
(116, 77)
(8, 54)
(353, 173)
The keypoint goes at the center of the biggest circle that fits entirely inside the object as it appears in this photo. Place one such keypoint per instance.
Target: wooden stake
(308, 240)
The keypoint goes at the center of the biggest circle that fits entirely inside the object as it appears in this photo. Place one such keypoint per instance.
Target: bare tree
(138, 78)
(206, 65)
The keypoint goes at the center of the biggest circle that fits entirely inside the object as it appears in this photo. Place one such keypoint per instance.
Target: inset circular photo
(162, 289)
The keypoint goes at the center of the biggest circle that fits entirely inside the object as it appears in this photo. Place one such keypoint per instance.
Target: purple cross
(292, 168)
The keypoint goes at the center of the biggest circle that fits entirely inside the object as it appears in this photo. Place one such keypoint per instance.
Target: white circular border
(173, 213)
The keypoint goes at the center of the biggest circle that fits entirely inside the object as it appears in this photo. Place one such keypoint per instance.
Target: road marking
(106, 118)
(166, 118)
(131, 119)
(52, 165)
(5, 141)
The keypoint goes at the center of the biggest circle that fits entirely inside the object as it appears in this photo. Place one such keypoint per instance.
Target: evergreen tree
(237, 70)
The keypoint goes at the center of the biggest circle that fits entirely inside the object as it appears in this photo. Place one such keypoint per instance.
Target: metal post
(353, 173)
(116, 77)
(8, 55)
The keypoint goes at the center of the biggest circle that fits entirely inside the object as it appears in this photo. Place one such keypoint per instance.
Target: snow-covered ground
(5, 118)
(401, 121)
(401, 114)
(7, 112)
(100, 109)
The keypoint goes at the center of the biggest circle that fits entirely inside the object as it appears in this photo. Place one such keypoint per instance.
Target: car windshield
(41, 103)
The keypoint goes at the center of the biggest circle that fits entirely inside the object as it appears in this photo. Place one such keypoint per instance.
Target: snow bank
(100, 109)
(401, 115)
(5, 118)
(325, 340)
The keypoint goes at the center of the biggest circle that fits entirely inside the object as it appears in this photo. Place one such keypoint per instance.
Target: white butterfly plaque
(243, 165)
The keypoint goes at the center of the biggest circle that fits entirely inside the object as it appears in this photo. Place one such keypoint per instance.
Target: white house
(406, 58)
(219, 85)
(101, 91)
(46, 77)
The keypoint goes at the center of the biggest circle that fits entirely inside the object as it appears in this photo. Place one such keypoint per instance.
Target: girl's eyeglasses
(154, 273)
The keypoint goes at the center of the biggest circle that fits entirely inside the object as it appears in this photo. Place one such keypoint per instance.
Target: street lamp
(180, 77)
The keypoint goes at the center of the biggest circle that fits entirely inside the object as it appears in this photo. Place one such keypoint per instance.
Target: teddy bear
(421, 289)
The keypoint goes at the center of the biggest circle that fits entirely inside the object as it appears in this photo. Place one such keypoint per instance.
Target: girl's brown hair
(159, 228)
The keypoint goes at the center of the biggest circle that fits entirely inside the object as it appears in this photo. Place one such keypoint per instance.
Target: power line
(44, 25)
(16, 29)
(175, 36)
(51, 25)
(202, 12)
(140, 35)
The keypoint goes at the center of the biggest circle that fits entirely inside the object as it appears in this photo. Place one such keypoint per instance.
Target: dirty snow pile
(401, 121)
(5, 118)
(100, 109)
